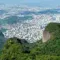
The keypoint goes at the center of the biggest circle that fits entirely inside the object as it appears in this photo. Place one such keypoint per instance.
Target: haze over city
(41, 3)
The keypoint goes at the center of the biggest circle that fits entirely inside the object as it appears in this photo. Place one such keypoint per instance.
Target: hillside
(20, 49)
(2, 39)
(54, 29)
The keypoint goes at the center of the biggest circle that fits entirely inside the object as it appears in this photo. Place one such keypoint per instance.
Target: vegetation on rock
(20, 49)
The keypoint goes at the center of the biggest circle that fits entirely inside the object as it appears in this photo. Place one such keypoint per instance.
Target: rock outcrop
(46, 36)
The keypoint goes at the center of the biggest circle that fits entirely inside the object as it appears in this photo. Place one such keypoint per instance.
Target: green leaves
(20, 49)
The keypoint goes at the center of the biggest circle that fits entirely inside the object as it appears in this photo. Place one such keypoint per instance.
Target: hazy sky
(42, 3)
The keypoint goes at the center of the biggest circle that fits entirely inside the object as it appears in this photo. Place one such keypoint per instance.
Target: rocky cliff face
(46, 36)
